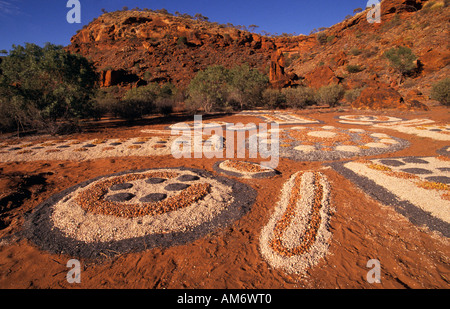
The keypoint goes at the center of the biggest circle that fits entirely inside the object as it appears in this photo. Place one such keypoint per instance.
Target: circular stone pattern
(93, 220)
(366, 119)
(331, 143)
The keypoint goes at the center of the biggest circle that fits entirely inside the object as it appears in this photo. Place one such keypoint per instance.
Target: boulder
(378, 98)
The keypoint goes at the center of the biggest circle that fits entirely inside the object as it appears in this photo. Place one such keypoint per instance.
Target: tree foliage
(43, 85)
(207, 90)
(217, 87)
(330, 94)
(401, 59)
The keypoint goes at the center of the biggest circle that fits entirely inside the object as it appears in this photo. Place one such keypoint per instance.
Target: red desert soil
(362, 228)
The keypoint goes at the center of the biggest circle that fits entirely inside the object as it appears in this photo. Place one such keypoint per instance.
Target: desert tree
(402, 60)
(47, 86)
(246, 85)
(208, 89)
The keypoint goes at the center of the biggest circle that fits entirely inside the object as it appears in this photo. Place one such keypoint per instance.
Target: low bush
(355, 51)
(354, 68)
(441, 91)
(352, 94)
(330, 94)
(218, 88)
(273, 98)
(299, 97)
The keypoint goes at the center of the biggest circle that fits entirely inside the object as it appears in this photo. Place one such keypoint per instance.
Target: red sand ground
(363, 229)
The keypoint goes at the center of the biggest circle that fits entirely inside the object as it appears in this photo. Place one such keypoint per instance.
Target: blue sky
(41, 21)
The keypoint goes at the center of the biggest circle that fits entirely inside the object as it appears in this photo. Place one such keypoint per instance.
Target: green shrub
(401, 59)
(246, 86)
(182, 41)
(355, 51)
(352, 94)
(322, 38)
(441, 91)
(354, 68)
(208, 89)
(330, 38)
(299, 97)
(216, 88)
(273, 98)
(330, 94)
(137, 102)
(46, 87)
(106, 101)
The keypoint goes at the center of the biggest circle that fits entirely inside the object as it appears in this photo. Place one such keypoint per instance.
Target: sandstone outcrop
(379, 98)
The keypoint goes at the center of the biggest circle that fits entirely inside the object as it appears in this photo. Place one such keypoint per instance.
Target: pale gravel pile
(299, 263)
(223, 168)
(322, 134)
(280, 117)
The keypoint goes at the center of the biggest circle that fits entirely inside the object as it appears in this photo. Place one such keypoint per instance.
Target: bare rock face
(321, 76)
(155, 47)
(277, 75)
(132, 48)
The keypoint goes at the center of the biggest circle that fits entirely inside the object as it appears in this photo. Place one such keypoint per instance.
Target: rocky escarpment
(135, 47)
(132, 48)
(352, 54)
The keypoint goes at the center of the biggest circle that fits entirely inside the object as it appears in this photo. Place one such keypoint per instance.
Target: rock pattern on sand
(331, 143)
(297, 235)
(279, 117)
(102, 218)
(77, 150)
(444, 151)
(242, 169)
(366, 119)
(420, 127)
(417, 187)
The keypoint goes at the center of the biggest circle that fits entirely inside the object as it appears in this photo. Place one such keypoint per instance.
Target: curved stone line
(303, 212)
(345, 120)
(38, 227)
(310, 233)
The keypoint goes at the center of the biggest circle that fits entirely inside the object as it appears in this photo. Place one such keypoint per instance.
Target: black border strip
(414, 214)
(444, 152)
